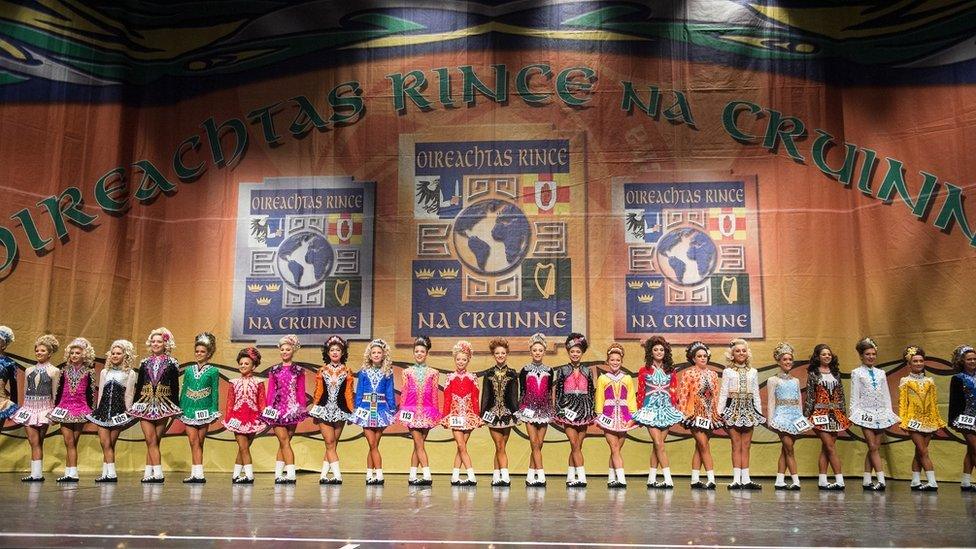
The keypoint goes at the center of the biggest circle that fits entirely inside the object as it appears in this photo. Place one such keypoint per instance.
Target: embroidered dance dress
(657, 391)
(76, 394)
(962, 402)
(115, 396)
(332, 401)
(615, 401)
(870, 399)
(286, 394)
(698, 398)
(738, 401)
(575, 396)
(918, 404)
(535, 384)
(500, 397)
(200, 397)
(41, 383)
(825, 398)
(245, 402)
(783, 398)
(461, 411)
(419, 397)
(375, 399)
(8, 387)
(157, 384)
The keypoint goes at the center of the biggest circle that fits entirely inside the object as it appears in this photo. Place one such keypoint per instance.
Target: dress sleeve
(600, 394)
(673, 388)
(174, 380)
(522, 379)
(771, 384)
(640, 385)
(229, 406)
(933, 404)
(715, 382)
(723, 393)
(272, 386)
(262, 397)
(811, 397)
(487, 393)
(855, 393)
(391, 393)
(300, 395)
(349, 395)
(319, 389)
(839, 391)
(448, 389)
(13, 384)
(140, 380)
(754, 387)
(557, 382)
(58, 388)
(957, 399)
(474, 397)
(357, 400)
(903, 403)
(512, 393)
(684, 394)
(101, 387)
(130, 389)
(886, 397)
(631, 397)
(90, 390)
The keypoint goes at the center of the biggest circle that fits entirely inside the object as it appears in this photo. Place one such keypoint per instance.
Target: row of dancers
(574, 396)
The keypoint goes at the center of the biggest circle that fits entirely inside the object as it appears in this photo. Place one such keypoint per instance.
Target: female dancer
(285, 407)
(871, 410)
(536, 409)
(616, 403)
(75, 398)
(824, 407)
(962, 408)
(156, 385)
(245, 401)
(499, 401)
(200, 401)
(116, 393)
(740, 405)
(418, 408)
(375, 403)
(918, 405)
(698, 401)
(657, 391)
(332, 403)
(785, 415)
(8, 377)
(575, 405)
(461, 414)
(41, 384)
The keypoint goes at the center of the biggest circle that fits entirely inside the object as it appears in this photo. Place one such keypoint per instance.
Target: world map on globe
(491, 236)
(686, 256)
(304, 259)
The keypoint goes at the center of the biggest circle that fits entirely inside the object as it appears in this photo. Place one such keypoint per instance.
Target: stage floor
(130, 514)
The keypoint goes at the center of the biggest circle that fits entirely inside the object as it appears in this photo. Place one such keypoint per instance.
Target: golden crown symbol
(263, 301)
(424, 274)
(635, 284)
(654, 284)
(448, 273)
(645, 298)
(273, 287)
(254, 287)
(437, 291)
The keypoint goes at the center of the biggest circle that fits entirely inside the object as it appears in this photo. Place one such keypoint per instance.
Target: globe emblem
(491, 236)
(686, 256)
(304, 259)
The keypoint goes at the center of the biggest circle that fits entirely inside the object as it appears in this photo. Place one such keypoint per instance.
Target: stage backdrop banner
(779, 171)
